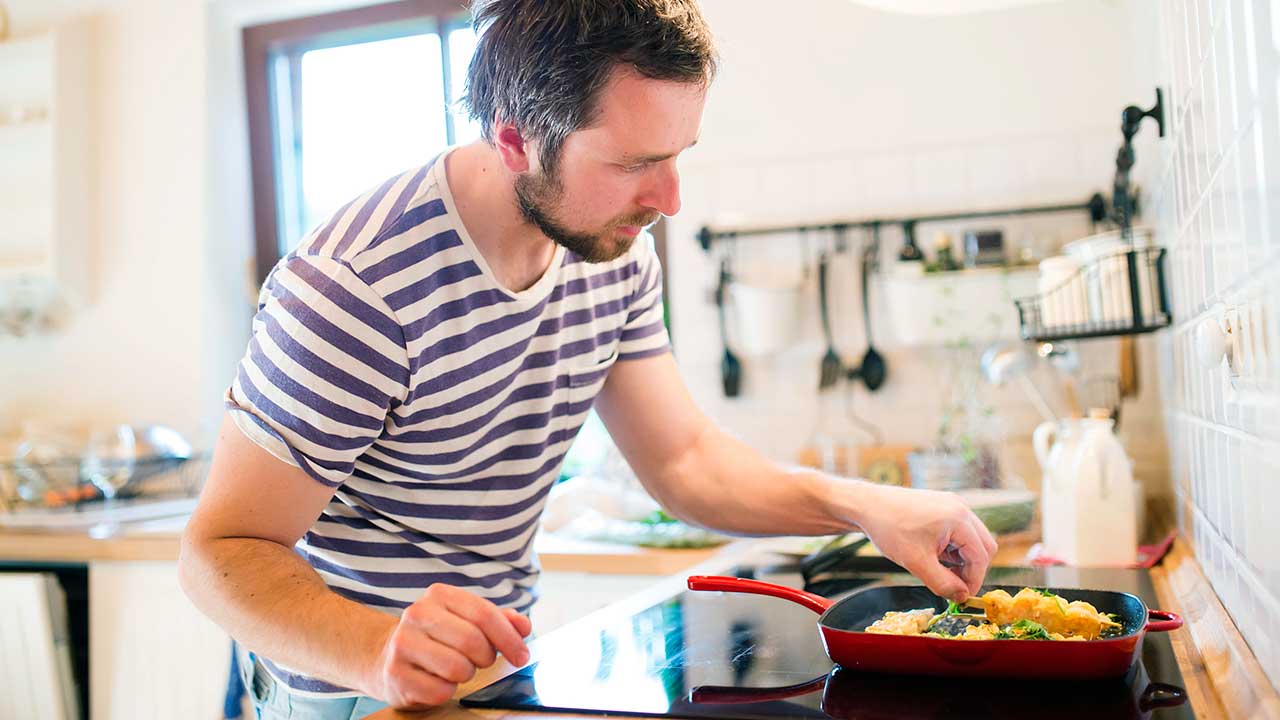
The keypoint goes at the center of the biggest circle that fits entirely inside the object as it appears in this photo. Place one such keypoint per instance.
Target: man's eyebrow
(639, 159)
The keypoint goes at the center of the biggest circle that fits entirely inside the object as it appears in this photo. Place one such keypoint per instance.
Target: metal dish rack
(62, 483)
(1119, 294)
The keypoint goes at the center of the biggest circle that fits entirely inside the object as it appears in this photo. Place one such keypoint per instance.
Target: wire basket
(1122, 293)
(67, 483)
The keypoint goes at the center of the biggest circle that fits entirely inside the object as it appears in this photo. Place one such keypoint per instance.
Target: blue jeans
(273, 701)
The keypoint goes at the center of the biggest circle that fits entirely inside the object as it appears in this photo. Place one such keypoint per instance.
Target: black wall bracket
(1124, 202)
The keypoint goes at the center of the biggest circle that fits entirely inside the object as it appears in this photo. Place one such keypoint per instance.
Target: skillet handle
(1161, 695)
(816, 603)
(1163, 621)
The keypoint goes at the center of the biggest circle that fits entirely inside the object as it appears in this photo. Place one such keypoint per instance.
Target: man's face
(618, 175)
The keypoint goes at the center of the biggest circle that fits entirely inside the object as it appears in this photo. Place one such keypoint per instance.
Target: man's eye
(633, 168)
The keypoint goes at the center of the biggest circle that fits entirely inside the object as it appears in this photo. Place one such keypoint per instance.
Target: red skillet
(843, 621)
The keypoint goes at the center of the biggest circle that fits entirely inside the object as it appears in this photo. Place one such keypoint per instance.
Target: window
(339, 102)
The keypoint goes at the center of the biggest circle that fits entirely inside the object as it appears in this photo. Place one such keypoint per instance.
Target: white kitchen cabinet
(151, 653)
(34, 655)
(45, 177)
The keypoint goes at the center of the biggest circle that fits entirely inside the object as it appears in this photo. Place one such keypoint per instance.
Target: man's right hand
(440, 642)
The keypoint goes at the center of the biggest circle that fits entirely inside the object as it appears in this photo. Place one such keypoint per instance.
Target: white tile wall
(1217, 190)
(867, 113)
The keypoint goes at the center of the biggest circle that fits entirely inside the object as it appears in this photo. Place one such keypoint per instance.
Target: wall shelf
(45, 179)
(949, 307)
(1123, 293)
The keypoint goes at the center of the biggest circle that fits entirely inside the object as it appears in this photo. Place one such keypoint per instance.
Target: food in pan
(1029, 615)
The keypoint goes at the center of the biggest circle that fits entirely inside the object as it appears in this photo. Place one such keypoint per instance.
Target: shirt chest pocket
(584, 381)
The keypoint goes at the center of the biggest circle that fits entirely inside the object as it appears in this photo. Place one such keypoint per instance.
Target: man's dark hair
(541, 64)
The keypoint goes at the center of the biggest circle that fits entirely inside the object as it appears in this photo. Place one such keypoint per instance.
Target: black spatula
(832, 367)
(730, 366)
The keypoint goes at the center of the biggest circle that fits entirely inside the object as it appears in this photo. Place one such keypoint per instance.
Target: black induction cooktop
(713, 655)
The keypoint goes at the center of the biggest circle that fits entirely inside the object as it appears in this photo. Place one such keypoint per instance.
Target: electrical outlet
(1249, 360)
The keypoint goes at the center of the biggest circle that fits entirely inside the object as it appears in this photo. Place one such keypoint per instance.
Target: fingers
(486, 616)
(915, 528)
(441, 641)
(988, 541)
(971, 543)
(419, 690)
(941, 581)
(522, 624)
(421, 672)
(459, 634)
(434, 656)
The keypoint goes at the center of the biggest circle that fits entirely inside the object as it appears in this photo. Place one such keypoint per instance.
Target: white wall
(172, 277)
(837, 110)
(1217, 199)
(148, 347)
(849, 112)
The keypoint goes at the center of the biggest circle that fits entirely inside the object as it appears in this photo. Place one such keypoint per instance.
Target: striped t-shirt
(389, 363)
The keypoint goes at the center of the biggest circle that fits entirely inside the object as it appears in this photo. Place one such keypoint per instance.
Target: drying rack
(1119, 294)
(1122, 293)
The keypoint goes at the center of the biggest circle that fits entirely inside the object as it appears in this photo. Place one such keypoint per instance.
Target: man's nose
(662, 193)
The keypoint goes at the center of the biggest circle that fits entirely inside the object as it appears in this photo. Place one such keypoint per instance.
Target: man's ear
(511, 146)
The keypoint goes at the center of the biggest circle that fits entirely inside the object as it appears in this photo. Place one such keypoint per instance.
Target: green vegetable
(953, 608)
(1023, 630)
(658, 517)
(1112, 631)
(1002, 511)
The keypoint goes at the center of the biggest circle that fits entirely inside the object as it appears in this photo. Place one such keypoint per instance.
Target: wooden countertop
(153, 540)
(1223, 678)
(158, 540)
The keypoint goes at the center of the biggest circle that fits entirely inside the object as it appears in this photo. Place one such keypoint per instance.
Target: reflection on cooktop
(712, 655)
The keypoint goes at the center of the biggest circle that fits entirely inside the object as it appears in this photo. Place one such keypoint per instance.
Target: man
(420, 364)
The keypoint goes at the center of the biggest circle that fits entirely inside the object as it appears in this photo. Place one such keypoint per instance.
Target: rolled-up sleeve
(325, 364)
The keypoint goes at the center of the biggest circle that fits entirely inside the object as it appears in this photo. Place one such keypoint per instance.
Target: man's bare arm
(238, 566)
(710, 478)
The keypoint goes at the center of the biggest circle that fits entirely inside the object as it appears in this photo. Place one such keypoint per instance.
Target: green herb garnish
(952, 609)
(1059, 601)
(1031, 630)
(1023, 630)
(658, 517)
(1112, 630)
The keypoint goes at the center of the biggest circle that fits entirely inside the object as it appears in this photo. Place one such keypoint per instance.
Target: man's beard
(537, 195)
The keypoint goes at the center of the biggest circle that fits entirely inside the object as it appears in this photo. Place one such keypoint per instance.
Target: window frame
(261, 42)
(264, 45)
